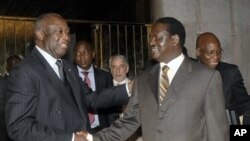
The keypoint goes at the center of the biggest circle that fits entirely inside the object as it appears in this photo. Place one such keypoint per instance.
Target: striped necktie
(164, 83)
(60, 69)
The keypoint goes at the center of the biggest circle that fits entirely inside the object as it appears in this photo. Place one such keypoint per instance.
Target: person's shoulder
(102, 72)
(192, 59)
(196, 65)
(2, 78)
(199, 68)
(148, 71)
(226, 66)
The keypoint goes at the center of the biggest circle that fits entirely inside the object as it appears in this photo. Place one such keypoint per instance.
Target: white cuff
(89, 137)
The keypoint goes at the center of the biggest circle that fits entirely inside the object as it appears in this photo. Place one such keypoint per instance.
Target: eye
(219, 52)
(58, 31)
(210, 52)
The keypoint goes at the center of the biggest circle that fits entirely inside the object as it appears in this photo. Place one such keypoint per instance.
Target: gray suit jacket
(193, 109)
(40, 107)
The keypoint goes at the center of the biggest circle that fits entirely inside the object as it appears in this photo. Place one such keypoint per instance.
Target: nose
(152, 42)
(117, 70)
(66, 36)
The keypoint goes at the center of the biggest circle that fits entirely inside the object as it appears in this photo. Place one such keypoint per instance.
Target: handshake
(81, 136)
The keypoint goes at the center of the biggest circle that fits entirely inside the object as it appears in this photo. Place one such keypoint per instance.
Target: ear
(40, 34)
(175, 39)
(127, 69)
(198, 51)
(93, 54)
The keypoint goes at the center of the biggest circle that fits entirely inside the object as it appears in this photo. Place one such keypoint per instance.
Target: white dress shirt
(93, 87)
(51, 60)
(116, 83)
(173, 67)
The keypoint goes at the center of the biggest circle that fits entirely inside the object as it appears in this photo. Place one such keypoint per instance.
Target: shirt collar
(175, 63)
(51, 60)
(90, 70)
(121, 82)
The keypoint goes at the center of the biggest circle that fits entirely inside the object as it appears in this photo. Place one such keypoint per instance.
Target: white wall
(228, 19)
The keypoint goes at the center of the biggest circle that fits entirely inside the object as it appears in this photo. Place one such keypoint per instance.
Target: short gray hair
(122, 57)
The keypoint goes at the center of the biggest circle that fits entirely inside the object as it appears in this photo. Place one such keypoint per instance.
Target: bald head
(208, 49)
(206, 38)
(47, 19)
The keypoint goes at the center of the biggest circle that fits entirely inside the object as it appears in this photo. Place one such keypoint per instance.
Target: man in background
(119, 68)
(237, 100)
(97, 79)
(11, 61)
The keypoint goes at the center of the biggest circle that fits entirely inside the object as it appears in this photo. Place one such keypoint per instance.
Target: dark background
(98, 10)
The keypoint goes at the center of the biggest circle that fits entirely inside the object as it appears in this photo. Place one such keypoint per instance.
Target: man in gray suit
(46, 99)
(192, 109)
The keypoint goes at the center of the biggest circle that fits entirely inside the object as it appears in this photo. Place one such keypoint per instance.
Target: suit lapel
(52, 79)
(74, 82)
(178, 81)
(45, 67)
(153, 80)
(97, 81)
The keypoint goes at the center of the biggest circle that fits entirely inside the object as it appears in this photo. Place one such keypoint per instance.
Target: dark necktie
(86, 78)
(164, 83)
(87, 82)
(60, 69)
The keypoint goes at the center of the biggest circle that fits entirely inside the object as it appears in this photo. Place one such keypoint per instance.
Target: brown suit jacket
(193, 109)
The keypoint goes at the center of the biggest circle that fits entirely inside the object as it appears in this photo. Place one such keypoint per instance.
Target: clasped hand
(81, 136)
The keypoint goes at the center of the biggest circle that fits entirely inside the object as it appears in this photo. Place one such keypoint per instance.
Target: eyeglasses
(211, 52)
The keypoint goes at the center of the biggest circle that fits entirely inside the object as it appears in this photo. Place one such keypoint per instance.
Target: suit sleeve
(21, 108)
(216, 120)
(241, 97)
(124, 127)
(106, 98)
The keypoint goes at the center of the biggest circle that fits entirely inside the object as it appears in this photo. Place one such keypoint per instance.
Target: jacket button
(58, 111)
(159, 131)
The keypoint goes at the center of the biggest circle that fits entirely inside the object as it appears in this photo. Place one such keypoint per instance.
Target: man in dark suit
(11, 62)
(175, 100)
(209, 51)
(46, 98)
(84, 55)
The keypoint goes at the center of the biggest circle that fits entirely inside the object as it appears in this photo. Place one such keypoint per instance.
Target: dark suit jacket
(41, 107)
(236, 96)
(103, 79)
(193, 109)
(3, 89)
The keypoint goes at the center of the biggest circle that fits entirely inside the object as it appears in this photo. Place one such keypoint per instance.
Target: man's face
(84, 55)
(209, 52)
(119, 69)
(160, 42)
(12, 63)
(56, 37)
